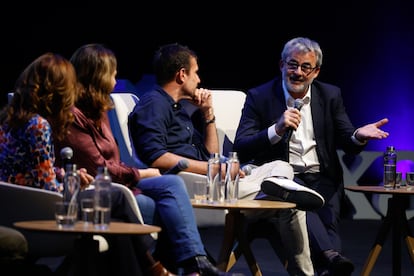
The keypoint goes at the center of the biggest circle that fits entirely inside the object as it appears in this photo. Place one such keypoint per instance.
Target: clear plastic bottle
(71, 184)
(390, 166)
(215, 185)
(232, 177)
(102, 199)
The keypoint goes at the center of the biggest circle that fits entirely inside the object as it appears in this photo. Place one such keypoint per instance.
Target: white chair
(131, 200)
(118, 117)
(227, 106)
(19, 203)
(124, 104)
(29, 203)
(9, 97)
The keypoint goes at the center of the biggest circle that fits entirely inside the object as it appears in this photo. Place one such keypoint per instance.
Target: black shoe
(323, 272)
(204, 267)
(340, 265)
(285, 189)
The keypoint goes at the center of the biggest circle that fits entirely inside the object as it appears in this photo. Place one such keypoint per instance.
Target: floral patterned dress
(27, 155)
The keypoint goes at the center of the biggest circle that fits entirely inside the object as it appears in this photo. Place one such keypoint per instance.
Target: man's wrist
(209, 116)
(357, 141)
(211, 121)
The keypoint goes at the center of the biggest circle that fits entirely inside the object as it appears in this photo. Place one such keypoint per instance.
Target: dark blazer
(332, 127)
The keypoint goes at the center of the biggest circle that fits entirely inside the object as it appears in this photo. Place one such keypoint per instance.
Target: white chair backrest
(19, 203)
(131, 199)
(9, 96)
(227, 108)
(118, 117)
(227, 105)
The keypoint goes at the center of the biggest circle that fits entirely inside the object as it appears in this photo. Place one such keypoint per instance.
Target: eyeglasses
(305, 67)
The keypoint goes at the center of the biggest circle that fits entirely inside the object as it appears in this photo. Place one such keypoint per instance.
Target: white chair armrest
(131, 199)
(190, 180)
(204, 217)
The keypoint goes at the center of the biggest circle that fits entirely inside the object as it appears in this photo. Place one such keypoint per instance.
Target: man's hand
(290, 119)
(372, 131)
(203, 99)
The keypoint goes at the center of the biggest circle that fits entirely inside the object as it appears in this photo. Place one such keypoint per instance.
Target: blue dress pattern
(27, 155)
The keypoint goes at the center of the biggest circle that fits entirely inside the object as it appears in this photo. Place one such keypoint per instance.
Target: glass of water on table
(87, 211)
(409, 180)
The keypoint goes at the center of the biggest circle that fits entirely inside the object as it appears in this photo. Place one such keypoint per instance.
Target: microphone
(66, 155)
(181, 165)
(247, 169)
(298, 105)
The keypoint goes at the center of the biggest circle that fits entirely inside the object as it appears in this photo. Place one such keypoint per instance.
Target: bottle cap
(215, 155)
(71, 167)
(390, 148)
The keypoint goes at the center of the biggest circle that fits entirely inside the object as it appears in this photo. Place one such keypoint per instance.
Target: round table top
(244, 204)
(115, 228)
(381, 190)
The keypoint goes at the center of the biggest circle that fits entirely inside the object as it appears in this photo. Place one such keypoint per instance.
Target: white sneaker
(285, 189)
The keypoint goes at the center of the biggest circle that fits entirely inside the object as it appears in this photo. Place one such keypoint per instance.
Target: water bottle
(71, 184)
(215, 185)
(232, 177)
(102, 199)
(390, 165)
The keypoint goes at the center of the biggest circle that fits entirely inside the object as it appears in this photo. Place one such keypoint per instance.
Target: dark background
(367, 45)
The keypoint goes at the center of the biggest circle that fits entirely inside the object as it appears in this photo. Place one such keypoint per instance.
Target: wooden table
(86, 248)
(234, 230)
(395, 220)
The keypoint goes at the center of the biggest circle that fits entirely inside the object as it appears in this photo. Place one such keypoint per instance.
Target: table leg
(379, 242)
(229, 238)
(407, 234)
(234, 232)
(245, 246)
(410, 244)
(397, 231)
(396, 220)
(86, 256)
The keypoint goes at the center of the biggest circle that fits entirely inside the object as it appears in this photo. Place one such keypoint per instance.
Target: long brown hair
(94, 65)
(46, 87)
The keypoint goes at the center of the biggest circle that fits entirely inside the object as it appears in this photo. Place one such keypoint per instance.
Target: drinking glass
(389, 178)
(200, 191)
(409, 180)
(87, 210)
(66, 214)
(398, 179)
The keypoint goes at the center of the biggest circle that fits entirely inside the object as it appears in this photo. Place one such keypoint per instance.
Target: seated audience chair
(20, 203)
